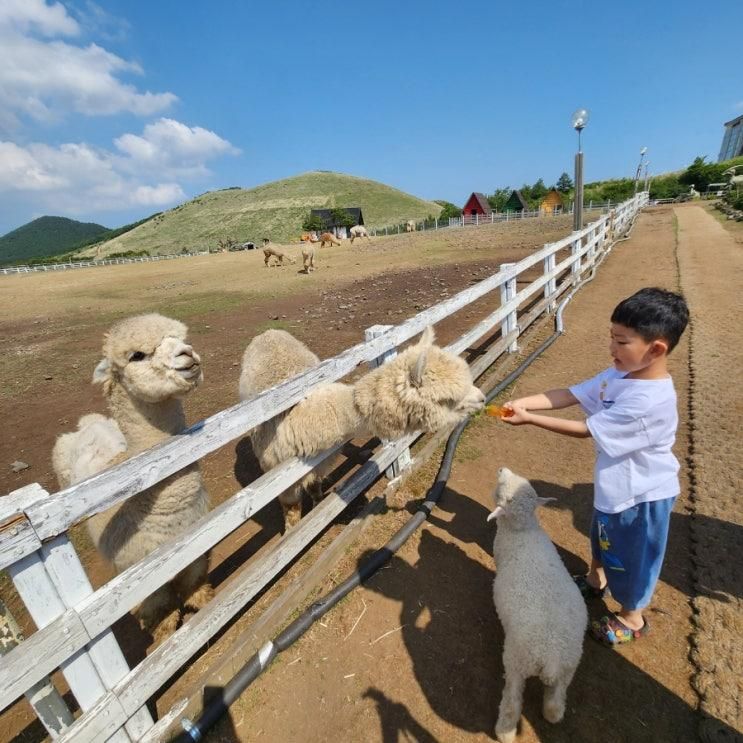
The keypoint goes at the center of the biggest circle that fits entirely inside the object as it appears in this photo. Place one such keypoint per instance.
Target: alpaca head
(515, 500)
(422, 389)
(149, 357)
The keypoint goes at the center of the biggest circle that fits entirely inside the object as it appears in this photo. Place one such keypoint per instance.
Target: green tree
(538, 192)
(700, 174)
(449, 210)
(313, 223)
(564, 183)
(342, 218)
(498, 198)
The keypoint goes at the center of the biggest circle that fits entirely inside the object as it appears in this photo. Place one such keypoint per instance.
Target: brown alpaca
(330, 238)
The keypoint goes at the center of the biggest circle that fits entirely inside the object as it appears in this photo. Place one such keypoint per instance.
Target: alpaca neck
(145, 424)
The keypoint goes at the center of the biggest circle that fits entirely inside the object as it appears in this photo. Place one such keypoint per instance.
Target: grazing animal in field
(424, 388)
(147, 368)
(330, 238)
(539, 605)
(270, 252)
(410, 225)
(358, 231)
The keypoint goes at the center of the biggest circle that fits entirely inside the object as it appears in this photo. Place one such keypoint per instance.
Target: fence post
(507, 293)
(46, 701)
(551, 286)
(477, 220)
(72, 584)
(36, 589)
(403, 461)
(575, 268)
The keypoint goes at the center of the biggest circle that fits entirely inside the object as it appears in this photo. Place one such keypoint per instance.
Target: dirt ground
(415, 654)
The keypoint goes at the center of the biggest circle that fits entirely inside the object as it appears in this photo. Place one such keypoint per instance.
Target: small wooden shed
(552, 202)
(515, 203)
(477, 204)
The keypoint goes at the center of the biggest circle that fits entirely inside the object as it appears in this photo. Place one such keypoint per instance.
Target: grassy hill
(275, 210)
(46, 236)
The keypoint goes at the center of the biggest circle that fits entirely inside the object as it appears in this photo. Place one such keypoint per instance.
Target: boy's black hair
(654, 313)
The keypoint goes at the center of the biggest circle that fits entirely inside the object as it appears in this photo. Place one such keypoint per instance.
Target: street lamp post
(579, 121)
(638, 172)
(647, 181)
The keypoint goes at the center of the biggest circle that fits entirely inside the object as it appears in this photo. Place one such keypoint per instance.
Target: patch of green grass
(183, 308)
(273, 325)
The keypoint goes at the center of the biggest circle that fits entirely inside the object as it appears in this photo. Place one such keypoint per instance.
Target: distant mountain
(46, 236)
(275, 210)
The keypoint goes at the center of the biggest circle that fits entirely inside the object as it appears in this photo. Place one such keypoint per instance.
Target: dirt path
(711, 266)
(423, 662)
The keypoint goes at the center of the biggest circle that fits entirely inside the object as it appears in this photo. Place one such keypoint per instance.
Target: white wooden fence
(7, 270)
(74, 621)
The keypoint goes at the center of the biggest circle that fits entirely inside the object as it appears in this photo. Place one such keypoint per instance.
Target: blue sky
(113, 110)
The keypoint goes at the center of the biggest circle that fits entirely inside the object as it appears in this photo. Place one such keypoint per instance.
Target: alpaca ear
(544, 501)
(102, 372)
(423, 346)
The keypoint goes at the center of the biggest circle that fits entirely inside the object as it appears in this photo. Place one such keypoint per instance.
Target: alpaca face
(149, 357)
(423, 389)
(515, 498)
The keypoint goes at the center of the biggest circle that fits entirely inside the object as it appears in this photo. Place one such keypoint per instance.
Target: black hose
(194, 731)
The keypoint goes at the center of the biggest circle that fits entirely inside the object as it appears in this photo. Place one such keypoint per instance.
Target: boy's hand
(519, 415)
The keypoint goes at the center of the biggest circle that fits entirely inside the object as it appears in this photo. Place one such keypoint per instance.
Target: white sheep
(424, 388)
(410, 225)
(146, 369)
(358, 231)
(541, 609)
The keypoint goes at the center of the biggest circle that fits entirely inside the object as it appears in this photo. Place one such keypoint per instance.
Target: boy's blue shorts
(631, 545)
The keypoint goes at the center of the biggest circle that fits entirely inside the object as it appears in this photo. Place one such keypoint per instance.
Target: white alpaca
(540, 607)
(308, 257)
(146, 369)
(410, 225)
(424, 388)
(358, 231)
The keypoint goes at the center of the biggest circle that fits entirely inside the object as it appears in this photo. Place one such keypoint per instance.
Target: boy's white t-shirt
(633, 422)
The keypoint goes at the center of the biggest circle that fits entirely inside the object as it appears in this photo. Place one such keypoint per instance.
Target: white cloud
(36, 15)
(46, 77)
(76, 178)
(168, 145)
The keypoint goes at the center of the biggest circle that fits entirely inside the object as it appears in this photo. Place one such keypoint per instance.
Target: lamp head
(579, 119)
(643, 150)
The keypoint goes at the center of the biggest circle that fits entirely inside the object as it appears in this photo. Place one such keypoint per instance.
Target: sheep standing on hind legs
(424, 388)
(146, 369)
(540, 607)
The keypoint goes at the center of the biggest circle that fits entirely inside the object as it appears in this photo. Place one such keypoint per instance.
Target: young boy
(632, 417)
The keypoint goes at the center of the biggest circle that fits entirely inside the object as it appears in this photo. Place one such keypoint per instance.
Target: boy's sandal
(586, 589)
(612, 631)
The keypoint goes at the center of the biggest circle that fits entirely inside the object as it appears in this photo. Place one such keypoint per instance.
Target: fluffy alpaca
(146, 369)
(330, 238)
(308, 257)
(410, 225)
(424, 388)
(358, 231)
(540, 607)
(269, 251)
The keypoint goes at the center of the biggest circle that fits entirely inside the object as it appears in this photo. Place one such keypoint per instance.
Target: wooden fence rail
(74, 621)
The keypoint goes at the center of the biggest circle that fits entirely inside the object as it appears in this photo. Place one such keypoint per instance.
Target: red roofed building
(477, 204)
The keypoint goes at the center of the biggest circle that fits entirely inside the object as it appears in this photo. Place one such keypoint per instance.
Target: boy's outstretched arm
(552, 400)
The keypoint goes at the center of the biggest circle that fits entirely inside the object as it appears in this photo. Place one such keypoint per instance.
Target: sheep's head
(515, 500)
(148, 355)
(423, 389)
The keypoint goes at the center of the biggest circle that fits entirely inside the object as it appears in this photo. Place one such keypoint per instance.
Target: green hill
(275, 210)
(46, 236)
